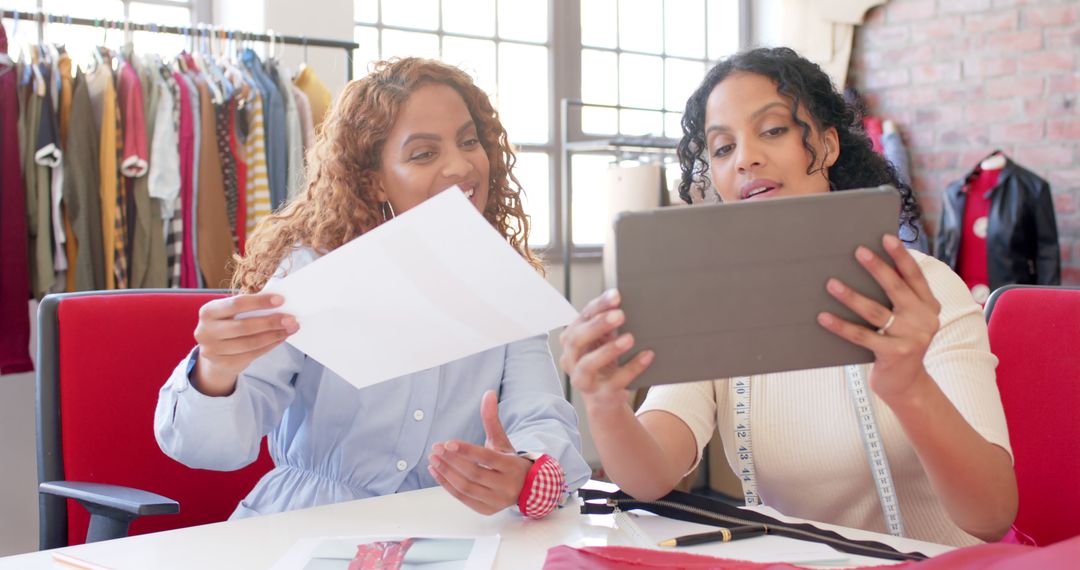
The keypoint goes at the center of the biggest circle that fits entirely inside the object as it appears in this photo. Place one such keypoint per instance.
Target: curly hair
(803, 83)
(340, 204)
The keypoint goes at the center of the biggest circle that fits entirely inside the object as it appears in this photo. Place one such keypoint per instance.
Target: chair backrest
(103, 357)
(1035, 333)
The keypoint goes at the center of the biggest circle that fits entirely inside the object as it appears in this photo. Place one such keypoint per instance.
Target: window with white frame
(641, 60)
(80, 40)
(504, 45)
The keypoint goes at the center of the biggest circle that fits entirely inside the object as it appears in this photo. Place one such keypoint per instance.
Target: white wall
(18, 460)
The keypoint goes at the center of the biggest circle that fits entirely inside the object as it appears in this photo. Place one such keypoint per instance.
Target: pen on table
(720, 535)
(69, 561)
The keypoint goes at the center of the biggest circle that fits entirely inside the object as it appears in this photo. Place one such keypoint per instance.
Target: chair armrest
(125, 499)
(112, 507)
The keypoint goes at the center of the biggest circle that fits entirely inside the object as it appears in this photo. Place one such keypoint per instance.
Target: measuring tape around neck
(875, 450)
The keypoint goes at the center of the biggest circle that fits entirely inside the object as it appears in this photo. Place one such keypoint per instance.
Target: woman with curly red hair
(409, 130)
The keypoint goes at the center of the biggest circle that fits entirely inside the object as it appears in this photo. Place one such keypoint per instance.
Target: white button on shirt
(418, 415)
(401, 465)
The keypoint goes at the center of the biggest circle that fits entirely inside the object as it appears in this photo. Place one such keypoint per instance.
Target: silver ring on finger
(885, 327)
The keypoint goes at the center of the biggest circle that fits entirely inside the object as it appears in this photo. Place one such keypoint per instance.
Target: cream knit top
(808, 451)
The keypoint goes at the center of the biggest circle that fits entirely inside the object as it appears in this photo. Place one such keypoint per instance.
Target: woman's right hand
(227, 345)
(591, 349)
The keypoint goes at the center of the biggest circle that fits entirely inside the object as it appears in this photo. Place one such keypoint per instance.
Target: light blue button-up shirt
(332, 442)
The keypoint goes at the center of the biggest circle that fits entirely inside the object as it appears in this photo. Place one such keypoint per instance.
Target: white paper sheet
(435, 284)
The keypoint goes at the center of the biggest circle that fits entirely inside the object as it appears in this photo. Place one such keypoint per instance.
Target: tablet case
(726, 290)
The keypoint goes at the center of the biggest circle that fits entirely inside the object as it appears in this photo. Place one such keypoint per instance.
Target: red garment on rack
(873, 128)
(971, 259)
(14, 260)
(189, 279)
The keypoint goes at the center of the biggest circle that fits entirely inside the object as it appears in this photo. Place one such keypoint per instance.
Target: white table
(259, 542)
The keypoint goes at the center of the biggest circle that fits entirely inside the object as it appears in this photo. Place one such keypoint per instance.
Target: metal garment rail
(197, 31)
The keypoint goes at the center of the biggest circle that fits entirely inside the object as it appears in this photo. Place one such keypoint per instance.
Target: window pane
(525, 20)
(723, 18)
(25, 32)
(523, 92)
(106, 9)
(532, 170)
(474, 17)
(599, 121)
(639, 25)
(421, 14)
(477, 57)
(406, 44)
(599, 77)
(673, 125)
(684, 28)
(164, 44)
(589, 172)
(368, 53)
(641, 123)
(367, 11)
(640, 81)
(598, 23)
(681, 78)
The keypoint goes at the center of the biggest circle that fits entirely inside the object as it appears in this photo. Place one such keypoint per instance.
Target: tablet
(725, 290)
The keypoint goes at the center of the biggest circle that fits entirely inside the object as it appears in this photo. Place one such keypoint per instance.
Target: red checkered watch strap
(544, 487)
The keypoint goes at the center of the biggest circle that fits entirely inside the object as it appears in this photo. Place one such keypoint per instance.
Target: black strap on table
(674, 505)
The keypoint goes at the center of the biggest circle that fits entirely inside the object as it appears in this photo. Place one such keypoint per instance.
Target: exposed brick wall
(963, 77)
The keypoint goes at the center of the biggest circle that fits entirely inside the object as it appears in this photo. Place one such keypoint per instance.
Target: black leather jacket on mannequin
(1021, 239)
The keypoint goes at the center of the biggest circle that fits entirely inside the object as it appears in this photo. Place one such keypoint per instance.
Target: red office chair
(1035, 333)
(102, 357)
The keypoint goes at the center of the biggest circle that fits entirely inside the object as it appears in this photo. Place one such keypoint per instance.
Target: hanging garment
(294, 140)
(56, 176)
(163, 180)
(14, 262)
(307, 127)
(274, 128)
(215, 241)
(42, 153)
(187, 277)
(258, 188)
(82, 194)
(134, 164)
(239, 159)
(67, 89)
(147, 236)
(971, 259)
(191, 246)
(103, 97)
(223, 115)
(317, 93)
(892, 147)
(1021, 229)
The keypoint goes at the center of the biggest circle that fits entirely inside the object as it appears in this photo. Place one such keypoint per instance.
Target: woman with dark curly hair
(926, 456)
(409, 130)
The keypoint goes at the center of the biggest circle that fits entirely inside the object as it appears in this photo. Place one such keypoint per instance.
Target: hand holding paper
(436, 284)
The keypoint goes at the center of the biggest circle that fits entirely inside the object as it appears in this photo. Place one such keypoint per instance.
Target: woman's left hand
(486, 478)
(903, 334)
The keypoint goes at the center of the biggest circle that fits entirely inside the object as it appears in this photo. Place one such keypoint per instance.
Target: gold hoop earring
(384, 206)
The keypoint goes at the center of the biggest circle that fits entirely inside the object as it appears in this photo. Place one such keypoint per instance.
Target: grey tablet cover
(734, 289)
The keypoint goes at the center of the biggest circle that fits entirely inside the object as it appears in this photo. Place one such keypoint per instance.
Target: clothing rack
(197, 31)
(623, 146)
